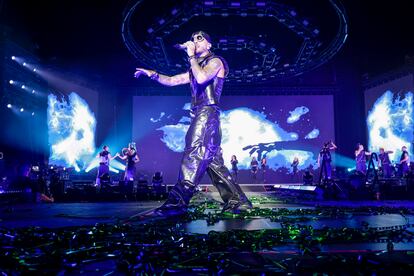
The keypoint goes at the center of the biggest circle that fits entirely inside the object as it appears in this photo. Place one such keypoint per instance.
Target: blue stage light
(11, 81)
(9, 106)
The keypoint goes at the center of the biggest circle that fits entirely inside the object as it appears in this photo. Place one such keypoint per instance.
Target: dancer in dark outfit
(385, 163)
(254, 167)
(104, 160)
(131, 157)
(202, 151)
(325, 159)
(404, 162)
(361, 159)
(234, 168)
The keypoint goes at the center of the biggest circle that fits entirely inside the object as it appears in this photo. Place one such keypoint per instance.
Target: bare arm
(208, 72)
(203, 75)
(333, 146)
(113, 157)
(136, 160)
(123, 157)
(406, 158)
(183, 78)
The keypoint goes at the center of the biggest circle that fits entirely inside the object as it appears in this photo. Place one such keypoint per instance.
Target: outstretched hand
(142, 71)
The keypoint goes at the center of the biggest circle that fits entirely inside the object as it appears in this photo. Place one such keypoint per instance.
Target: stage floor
(117, 231)
(54, 215)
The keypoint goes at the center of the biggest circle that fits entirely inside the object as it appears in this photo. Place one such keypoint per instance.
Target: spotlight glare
(21, 109)
(24, 63)
(9, 106)
(11, 81)
(33, 113)
(33, 91)
(34, 69)
(13, 58)
(23, 87)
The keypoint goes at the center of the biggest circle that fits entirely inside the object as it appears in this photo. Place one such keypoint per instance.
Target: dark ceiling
(87, 34)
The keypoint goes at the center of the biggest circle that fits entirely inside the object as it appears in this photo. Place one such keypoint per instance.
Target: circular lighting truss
(261, 40)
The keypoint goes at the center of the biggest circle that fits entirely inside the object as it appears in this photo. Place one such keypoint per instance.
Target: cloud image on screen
(71, 129)
(390, 123)
(271, 128)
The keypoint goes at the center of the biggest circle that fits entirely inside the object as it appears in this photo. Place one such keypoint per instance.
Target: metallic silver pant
(203, 154)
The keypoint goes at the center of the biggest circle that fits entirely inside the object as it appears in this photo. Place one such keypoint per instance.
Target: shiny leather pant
(203, 154)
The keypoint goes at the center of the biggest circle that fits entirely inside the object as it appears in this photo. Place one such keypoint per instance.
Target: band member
(361, 158)
(104, 159)
(404, 165)
(202, 143)
(325, 159)
(294, 165)
(234, 168)
(385, 163)
(263, 164)
(131, 157)
(254, 165)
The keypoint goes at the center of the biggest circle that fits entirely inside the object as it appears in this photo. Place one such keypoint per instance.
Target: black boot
(178, 200)
(237, 205)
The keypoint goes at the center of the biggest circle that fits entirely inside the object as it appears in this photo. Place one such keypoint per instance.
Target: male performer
(325, 159)
(385, 163)
(202, 151)
(361, 158)
(104, 159)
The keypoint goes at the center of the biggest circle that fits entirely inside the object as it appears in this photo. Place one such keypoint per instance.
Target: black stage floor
(390, 223)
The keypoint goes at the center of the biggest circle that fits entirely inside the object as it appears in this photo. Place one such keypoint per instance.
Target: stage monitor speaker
(310, 192)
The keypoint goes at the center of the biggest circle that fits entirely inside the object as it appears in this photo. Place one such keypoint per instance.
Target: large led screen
(389, 111)
(278, 127)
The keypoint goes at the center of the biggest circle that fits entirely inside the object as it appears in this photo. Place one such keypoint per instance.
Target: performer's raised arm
(163, 79)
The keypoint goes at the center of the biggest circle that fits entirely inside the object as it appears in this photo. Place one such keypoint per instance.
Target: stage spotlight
(13, 58)
(34, 69)
(21, 109)
(9, 106)
(33, 113)
(23, 87)
(33, 91)
(24, 64)
(11, 81)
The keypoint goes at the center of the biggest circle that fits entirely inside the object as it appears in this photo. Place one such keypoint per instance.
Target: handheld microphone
(180, 46)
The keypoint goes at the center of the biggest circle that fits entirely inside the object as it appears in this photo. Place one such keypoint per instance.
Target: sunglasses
(198, 38)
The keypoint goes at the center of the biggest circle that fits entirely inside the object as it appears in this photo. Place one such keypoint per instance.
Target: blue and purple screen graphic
(390, 112)
(278, 127)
